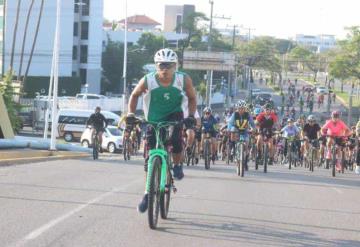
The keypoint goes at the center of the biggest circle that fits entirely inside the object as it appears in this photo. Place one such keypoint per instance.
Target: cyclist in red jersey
(267, 120)
(334, 127)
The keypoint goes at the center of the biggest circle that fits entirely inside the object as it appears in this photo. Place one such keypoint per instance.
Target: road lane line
(39, 231)
(338, 191)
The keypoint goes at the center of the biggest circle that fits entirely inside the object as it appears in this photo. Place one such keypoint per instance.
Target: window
(76, 6)
(83, 76)
(178, 23)
(85, 7)
(83, 53)
(84, 30)
(73, 120)
(75, 53)
(76, 29)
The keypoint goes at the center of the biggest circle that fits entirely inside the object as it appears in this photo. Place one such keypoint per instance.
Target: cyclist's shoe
(178, 172)
(100, 150)
(188, 151)
(357, 170)
(196, 160)
(143, 205)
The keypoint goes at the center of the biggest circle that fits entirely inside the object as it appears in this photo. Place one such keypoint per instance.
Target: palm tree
(14, 34)
(34, 42)
(24, 38)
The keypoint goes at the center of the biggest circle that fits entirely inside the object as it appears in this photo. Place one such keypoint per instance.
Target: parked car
(322, 90)
(71, 123)
(90, 96)
(112, 139)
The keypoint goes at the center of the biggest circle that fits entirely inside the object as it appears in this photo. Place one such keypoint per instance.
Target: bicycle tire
(207, 155)
(256, 159)
(242, 160)
(312, 160)
(165, 197)
(333, 170)
(265, 160)
(125, 149)
(154, 193)
(290, 155)
(95, 148)
(228, 150)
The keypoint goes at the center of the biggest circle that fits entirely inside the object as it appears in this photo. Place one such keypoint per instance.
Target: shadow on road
(250, 230)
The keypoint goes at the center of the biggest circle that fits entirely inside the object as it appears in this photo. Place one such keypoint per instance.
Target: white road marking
(39, 231)
(338, 191)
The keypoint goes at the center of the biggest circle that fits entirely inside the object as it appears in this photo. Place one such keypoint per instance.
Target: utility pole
(349, 120)
(125, 60)
(208, 77)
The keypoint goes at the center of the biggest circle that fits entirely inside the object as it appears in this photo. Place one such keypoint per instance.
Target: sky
(279, 18)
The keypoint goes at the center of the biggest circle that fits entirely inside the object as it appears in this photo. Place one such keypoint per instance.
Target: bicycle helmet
(311, 118)
(268, 106)
(165, 56)
(290, 120)
(257, 111)
(207, 109)
(335, 114)
(241, 104)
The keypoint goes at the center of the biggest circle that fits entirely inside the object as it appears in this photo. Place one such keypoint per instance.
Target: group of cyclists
(169, 95)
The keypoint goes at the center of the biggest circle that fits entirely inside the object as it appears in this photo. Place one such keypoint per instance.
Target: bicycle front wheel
(154, 193)
(207, 154)
(265, 153)
(95, 148)
(165, 197)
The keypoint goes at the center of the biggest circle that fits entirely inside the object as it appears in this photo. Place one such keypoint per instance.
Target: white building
(320, 42)
(175, 15)
(80, 43)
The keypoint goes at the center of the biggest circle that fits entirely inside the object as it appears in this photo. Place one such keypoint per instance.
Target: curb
(31, 156)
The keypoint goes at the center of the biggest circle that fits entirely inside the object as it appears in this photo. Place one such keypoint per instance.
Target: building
(139, 23)
(174, 16)
(318, 43)
(80, 45)
(2, 20)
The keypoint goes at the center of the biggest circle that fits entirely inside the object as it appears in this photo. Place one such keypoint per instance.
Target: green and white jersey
(160, 101)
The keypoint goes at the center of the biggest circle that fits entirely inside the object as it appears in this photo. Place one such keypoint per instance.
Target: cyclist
(208, 124)
(129, 129)
(267, 121)
(98, 123)
(240, 121)
(165, 91)
(310, 132)
(190, 129)
(290, 130)
(334, 127)
(357, 169)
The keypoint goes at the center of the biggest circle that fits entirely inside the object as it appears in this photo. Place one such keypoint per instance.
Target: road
(92, 203)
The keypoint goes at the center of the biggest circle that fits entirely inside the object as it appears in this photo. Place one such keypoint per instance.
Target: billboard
(206, 60)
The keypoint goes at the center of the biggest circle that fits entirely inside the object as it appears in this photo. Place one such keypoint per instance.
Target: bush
(7, 91)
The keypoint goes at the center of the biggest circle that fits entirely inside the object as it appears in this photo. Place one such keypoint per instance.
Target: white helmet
(207, 109)
(165, 56)
(242, 104)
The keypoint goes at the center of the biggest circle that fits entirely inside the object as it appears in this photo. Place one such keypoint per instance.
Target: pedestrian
(334, 97)
(311, 106)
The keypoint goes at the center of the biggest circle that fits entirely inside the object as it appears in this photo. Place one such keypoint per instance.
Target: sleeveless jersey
(160, 101)
(242, 121)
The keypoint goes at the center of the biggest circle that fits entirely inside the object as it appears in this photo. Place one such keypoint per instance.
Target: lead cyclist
(166, 92)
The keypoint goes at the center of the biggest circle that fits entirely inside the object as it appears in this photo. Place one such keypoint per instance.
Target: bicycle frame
(161, 152)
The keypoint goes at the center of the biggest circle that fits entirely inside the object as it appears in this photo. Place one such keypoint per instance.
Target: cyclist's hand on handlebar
(130, 118)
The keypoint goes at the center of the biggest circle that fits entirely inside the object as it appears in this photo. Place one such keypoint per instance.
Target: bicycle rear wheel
(154, 193)
(312, 160)
(265, 160)
(228, 150)
(95, 148)
(125, 149)
(207, 154)
(165, 197)
(333, 170)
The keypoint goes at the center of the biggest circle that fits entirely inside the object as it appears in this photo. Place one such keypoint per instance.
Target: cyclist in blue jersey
(208, 124)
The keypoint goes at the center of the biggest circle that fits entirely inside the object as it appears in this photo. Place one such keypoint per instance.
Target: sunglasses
(207, 113)
(166, 65)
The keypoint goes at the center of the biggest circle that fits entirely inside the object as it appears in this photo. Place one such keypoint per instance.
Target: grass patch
(345, 96)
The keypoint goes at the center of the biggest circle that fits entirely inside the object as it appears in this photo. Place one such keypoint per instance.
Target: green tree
(7, 91)
(201, 90)
(346, 63)
(112, 64)
(151, 43)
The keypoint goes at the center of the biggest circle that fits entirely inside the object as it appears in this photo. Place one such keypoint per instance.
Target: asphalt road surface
(93, 203)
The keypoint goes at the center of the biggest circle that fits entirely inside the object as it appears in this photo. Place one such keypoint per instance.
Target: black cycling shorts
(175, 140)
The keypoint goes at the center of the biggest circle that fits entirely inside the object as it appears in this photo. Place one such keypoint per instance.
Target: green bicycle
(159, 182)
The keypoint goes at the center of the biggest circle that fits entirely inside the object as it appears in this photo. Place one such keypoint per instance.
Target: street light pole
(56, 76)
(125, 59)
(209, 73)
